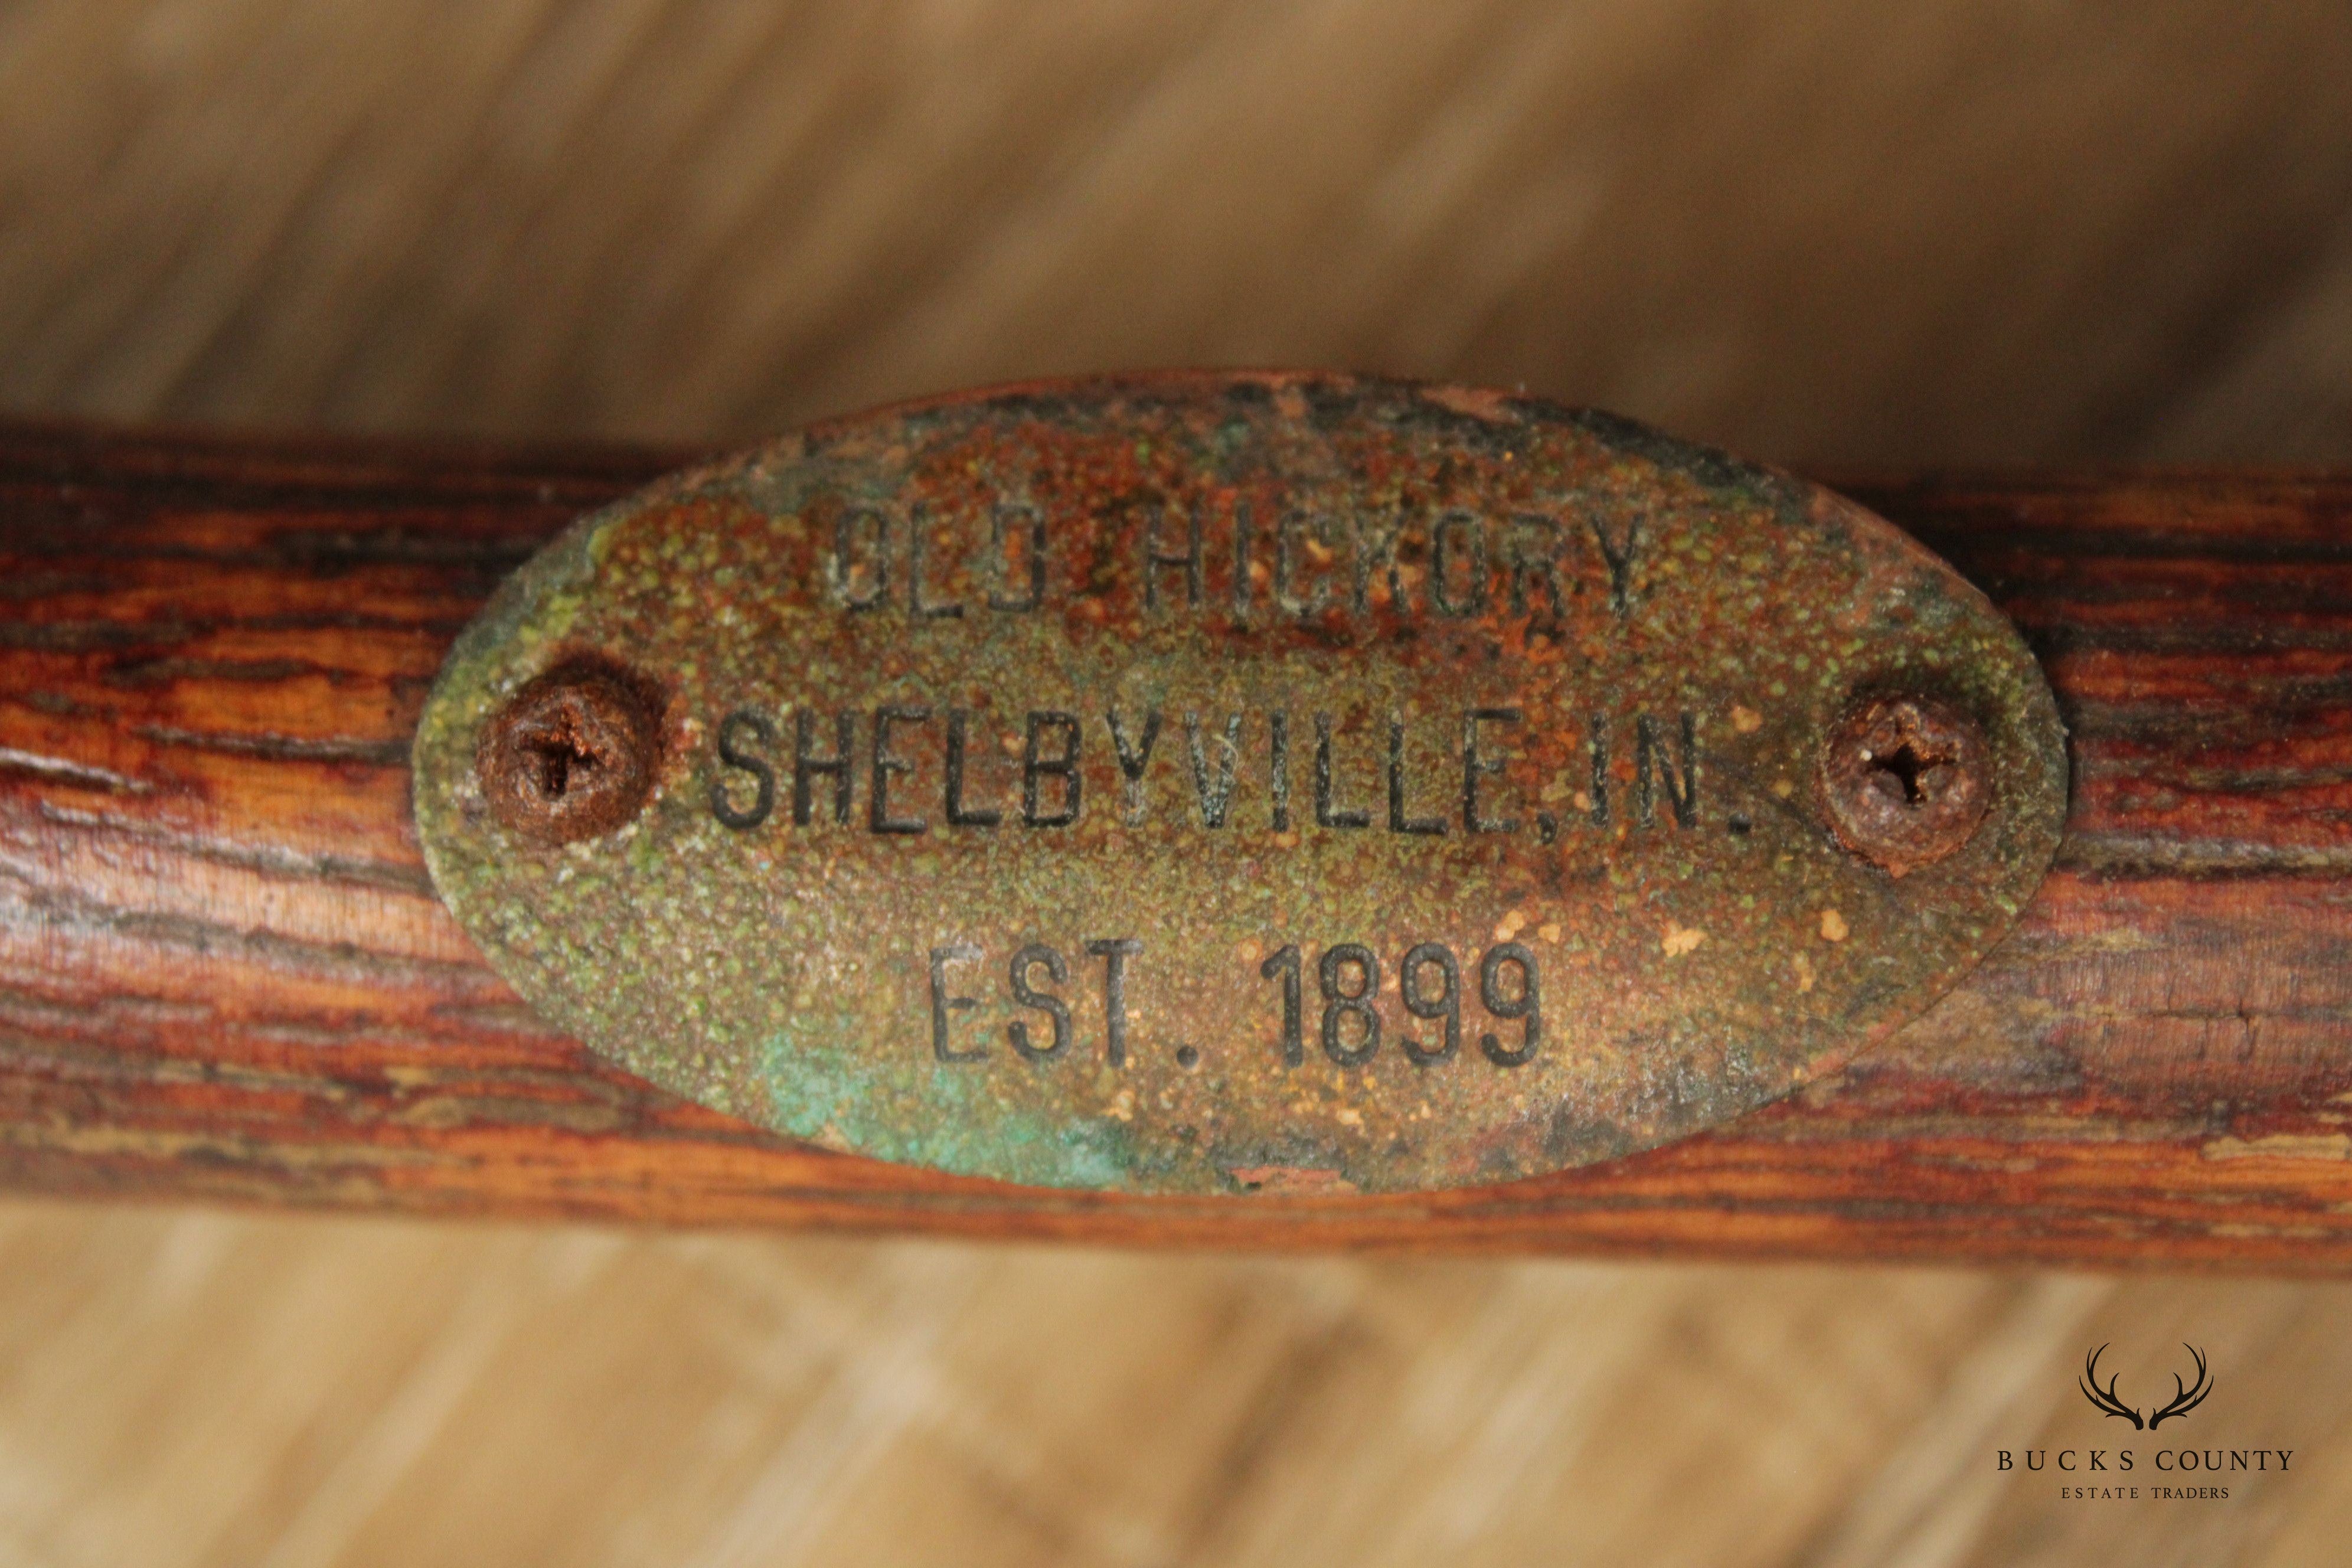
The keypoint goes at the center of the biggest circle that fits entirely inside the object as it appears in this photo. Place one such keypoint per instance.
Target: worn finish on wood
(222, 973)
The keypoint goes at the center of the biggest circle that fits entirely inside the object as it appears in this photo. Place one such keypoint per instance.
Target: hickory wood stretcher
(224, 975)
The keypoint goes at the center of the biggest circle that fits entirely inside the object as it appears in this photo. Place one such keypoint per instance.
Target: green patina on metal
(1239, 688)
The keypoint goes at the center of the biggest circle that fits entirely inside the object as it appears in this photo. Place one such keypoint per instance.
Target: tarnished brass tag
(1208, 784)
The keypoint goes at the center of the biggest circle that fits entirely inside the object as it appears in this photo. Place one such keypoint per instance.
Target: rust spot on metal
(1226, 784)
(1906, 781)
(571, 755)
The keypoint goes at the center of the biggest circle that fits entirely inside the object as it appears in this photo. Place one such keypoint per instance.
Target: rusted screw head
(1905, 781)
(573, 755)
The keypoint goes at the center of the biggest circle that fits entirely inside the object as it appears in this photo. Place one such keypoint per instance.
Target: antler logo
(2184, 1398)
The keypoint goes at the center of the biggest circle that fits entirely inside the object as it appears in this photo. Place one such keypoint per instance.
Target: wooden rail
(224, 976)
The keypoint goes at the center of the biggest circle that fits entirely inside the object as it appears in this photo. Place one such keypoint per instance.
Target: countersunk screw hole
(573, 754)
(1905, 781)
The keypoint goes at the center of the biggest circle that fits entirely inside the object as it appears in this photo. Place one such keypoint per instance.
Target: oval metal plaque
(1195, 783)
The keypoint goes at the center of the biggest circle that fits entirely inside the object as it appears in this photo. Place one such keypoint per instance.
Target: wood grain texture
(223, 973)
(1833, 230)
(1949, 230)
